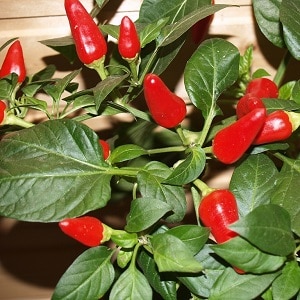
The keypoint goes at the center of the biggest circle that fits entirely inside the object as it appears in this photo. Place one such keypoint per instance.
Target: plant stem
(166, 150)
(203, 187)
(282, 68)
(207, 126)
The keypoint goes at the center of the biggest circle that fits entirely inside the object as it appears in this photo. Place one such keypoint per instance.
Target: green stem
(11, 119)
(282, 68)
(134, 69)
(206, 127)
(181, 135)
(134, 255)
(203, 187)
(166, 150)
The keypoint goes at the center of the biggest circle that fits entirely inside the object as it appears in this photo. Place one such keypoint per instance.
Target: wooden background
(33, 256)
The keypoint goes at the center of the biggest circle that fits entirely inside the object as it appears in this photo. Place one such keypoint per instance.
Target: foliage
(55, 169)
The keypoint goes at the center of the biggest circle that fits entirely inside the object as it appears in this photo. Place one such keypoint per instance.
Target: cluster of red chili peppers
(254, 126)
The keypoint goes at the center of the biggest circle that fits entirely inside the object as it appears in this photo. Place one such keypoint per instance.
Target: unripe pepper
(105, 148)
(87, 230)
(14, 62)
(262, 88)
(247, 103)
(217, 210)
(128, 43)
(200, 29)
(231, 142)
(89, 41)
(277, 127)
(167, 109)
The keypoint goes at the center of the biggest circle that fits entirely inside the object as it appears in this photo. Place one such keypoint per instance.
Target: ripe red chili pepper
(87, 230)
(167, 109)
(217, 210)
(105, 148)
(277, 127)
(2, 111)
(89, 41)
(14, 62)
(128, 43)
(262, 88)
(200, 29)
(230, 143)
(247, 103)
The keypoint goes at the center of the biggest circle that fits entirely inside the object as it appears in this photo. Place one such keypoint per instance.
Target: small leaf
(89, 277)
(240, 253)
(162, 283)
(231, 285)
(144, 212)
(268, 227)
(124, 239)
(172, 255)
(189, 169)
(193, 236)
(287, 284)
(131, 284)
(252, 182)
(213, 67)
(126, 152)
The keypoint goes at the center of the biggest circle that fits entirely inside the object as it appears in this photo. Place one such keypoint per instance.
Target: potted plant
(244, 242)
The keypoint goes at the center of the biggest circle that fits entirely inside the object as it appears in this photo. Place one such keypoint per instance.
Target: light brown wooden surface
(33, 256)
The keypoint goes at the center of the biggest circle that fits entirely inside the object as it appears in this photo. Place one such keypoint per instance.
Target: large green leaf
(268, 227)
(52, 171)
(89, 276)
(252, 182)
(267, 17)
(289, 16)
(286, 191)
(151, 185)
(240, 253)
(212, 68)
(232, 286)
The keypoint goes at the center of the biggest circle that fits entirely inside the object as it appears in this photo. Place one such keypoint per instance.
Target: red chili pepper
(167, 109)
(2, 111)
(129, 43)
(277, 127)
(87, 230)
(200, 29)
(105, 148)
(247, 103)
(233, 141)
(14, 62)
(262, 88)
(89, 41)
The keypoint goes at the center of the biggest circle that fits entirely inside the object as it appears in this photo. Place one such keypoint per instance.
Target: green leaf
(285, 91)
(105, 87)
(275, 104)
(131, 284)
(126, 152)
(36, 103)
(89, 277)
(193, 236)
(60, 172)
(213, 67)
(124, 239)
(144, 212)
(287, 284)
(232, 286)
(172, 255)
(189, 169)
(172, 32)
(267, 17)
(286, 191)
(252, 182)
(289, 16)
(162, 283)
(151, 31)
(268, 227)
(296, 92)
(7, 86)
(150, 181)
(240, 253)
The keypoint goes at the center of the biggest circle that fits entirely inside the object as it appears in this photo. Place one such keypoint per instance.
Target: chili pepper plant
(243, 241)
